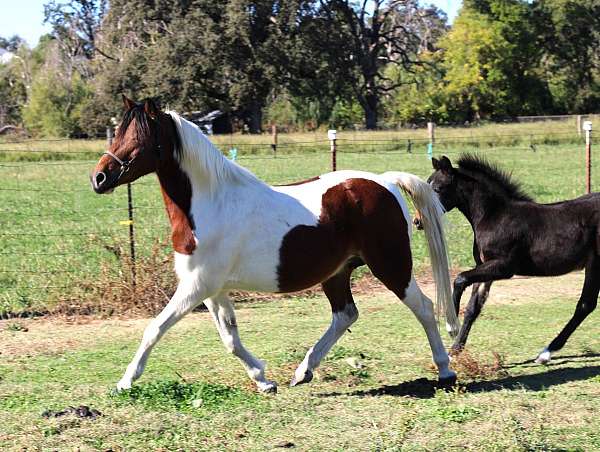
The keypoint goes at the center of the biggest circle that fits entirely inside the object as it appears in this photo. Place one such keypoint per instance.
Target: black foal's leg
(487, 272)
(479, 296)
(585, 305)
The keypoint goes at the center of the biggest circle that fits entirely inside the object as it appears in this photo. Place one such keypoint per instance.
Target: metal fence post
(131, 234)
(331, 134)
(587, 126)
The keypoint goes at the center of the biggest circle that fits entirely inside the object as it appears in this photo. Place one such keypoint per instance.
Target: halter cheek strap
(125, 163)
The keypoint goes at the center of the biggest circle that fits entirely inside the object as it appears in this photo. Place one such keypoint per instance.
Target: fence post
(587, 126)
(131, 234)
(109, 135)
(578, 125)
(431, 131)
(331, 134)
(274, 139)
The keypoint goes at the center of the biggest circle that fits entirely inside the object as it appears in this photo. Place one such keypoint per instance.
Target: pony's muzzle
(98, 181)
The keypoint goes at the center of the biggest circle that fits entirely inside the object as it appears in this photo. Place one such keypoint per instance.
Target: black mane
(490, 172)
(142, 126)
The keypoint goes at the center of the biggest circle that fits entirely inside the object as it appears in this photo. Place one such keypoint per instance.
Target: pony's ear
(151, 108)
(435, 163)
(127, 103)
(445, 165)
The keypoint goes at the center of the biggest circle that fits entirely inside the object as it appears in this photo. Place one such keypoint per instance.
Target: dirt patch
(55, 335)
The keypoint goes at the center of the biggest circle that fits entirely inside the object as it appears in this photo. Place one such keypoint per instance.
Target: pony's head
(144, 138)
(443, 182)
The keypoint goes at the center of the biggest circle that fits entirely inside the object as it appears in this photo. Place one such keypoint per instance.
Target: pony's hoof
(448, 382)
(123, 384)
(267, 387)
(307, 378)
(455, 350)
(544, 357)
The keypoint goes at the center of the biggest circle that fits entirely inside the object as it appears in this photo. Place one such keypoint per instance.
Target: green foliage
(185, 397)
(55, 107)
(346, 114)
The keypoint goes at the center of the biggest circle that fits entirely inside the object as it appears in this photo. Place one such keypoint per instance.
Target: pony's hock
(513, 235)
(232, 231)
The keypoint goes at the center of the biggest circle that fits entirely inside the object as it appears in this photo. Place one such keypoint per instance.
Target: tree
(570, 40)
(362, 40)
(14, 74)
(491, 61)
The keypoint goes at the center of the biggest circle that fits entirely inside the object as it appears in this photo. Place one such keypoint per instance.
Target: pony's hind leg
(586, 304)
(391, 263)
(223, 314)
(337, 289)
(422, 308)
(186, 297)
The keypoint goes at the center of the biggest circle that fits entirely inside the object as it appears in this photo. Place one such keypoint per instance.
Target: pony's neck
(475, 200)
(205, 165)
(176, 189)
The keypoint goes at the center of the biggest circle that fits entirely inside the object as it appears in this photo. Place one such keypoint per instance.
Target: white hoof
(124, 384)
(267, 387)
(544, 357)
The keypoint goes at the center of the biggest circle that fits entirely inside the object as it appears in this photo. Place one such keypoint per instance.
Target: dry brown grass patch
(474, 367)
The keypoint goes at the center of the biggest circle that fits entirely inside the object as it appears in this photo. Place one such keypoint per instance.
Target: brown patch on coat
(177, 194)
(358, 218)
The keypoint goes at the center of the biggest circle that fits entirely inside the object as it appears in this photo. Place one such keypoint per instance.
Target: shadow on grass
(559, 360)
(423, 388)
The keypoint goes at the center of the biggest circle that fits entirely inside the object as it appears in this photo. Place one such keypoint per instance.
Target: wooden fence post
(109, 135)
(578, 125)
(431, 131)
(274, 139)
(587, 127)
(331, 134)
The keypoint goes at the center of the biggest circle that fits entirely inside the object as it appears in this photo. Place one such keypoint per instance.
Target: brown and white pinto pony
(232, 231)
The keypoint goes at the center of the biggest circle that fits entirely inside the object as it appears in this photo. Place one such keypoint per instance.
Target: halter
(125, 163)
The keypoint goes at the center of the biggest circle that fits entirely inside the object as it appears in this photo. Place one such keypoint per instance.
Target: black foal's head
(443, 182)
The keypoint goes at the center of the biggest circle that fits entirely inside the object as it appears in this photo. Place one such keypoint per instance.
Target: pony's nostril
(100, 178)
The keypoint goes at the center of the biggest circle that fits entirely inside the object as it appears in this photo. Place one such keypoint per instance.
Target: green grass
(59, 239)
(385, 405)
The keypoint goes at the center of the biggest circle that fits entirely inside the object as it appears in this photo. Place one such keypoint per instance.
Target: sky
(25, 17)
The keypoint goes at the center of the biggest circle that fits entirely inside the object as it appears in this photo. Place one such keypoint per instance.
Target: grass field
(194, 396)
(61, 244)
(58, 238)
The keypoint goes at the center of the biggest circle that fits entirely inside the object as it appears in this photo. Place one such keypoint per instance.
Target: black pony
(513, 235)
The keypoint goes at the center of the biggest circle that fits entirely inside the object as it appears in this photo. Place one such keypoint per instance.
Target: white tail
(431, 211)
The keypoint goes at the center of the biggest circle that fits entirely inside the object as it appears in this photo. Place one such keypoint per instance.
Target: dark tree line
(310, 61)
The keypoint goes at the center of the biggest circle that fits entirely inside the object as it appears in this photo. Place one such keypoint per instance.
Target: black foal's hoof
(308, 376)
(446, 383)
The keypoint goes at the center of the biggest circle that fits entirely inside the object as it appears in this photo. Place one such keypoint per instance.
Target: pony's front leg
(223, 314)
(186, 297)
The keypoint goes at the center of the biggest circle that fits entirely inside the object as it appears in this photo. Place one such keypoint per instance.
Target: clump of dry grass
(469, 366)
(116, 293)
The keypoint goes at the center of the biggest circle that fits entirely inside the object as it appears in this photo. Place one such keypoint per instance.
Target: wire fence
(56, 235)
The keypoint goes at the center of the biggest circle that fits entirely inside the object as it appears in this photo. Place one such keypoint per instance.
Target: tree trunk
(370, 108)
(255, 118)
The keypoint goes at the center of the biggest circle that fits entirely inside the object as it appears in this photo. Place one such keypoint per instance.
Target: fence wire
(56, 234)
